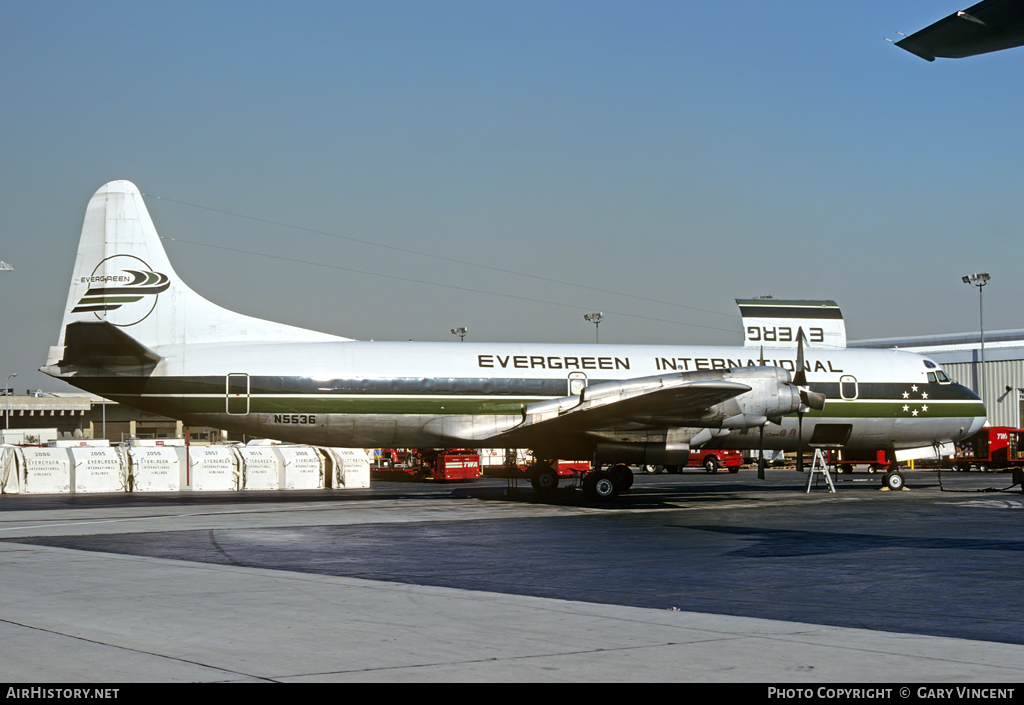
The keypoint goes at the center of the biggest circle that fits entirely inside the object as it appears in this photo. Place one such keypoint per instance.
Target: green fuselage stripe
(498, 405)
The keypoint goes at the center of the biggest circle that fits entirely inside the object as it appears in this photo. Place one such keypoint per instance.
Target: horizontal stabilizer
(102, 344)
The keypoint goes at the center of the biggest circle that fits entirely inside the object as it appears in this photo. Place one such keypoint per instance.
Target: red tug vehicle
(991, 448)
(438, 464)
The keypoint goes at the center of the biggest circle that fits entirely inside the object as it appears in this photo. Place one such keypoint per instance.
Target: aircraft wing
(643, 404)
(988, 26)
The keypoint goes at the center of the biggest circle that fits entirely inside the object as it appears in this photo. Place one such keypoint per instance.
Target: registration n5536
(295, 419)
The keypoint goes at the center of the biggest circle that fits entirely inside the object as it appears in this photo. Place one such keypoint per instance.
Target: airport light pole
(980, 279)
(595, 318)
(461, 332)
(7, 391)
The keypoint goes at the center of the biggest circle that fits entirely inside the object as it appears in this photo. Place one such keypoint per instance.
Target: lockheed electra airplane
(134, 333)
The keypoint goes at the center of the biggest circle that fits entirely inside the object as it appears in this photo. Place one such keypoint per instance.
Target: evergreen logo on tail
(130, 282)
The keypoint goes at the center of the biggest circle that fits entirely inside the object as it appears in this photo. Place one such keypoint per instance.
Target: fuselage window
(848, 387)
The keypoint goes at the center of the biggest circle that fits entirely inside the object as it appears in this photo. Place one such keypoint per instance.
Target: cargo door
(237, 393)
(577, 383)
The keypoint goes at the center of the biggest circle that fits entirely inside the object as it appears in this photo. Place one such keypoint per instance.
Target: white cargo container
(351, 467)
(78, 443)
(97, 469)
(261, 468)
(155, 469)
(41, 471)
(151, 442)
(211, 468)
(28, 436)
(303, 467)
(8, 470)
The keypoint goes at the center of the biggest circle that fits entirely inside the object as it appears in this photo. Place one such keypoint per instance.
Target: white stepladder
(820, 464)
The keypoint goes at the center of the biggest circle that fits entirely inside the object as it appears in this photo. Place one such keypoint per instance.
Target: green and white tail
(123, 279)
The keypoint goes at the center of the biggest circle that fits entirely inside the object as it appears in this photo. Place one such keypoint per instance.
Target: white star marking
(924, 408)
(914, 412)
(924, 395)
(913, 388)
(906, 395)
(906, 408)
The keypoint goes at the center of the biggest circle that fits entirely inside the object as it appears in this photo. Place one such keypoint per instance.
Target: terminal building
(960, 354)
(83, 415)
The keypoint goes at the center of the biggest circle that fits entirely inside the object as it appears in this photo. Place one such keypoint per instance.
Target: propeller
(809, 399)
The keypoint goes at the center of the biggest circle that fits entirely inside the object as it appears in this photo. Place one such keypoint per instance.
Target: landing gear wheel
(598, 484)
(622, 477)
(544, 481)
(711, 465)
(893, 480)
(653, 469)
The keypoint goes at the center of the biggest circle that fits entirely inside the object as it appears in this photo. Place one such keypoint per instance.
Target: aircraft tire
(622, 477)
(598, 485)
(893, 480)
(544, 481)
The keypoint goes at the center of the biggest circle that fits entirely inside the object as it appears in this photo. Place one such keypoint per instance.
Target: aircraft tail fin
(124, 279)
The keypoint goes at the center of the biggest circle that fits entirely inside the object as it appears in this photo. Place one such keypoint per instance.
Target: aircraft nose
(976, 425)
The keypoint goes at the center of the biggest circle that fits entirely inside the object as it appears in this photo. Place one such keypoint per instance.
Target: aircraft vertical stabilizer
(123, 278)
(774, 323)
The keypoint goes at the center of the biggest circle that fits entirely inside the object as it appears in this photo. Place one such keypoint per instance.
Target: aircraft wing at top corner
(991, 25)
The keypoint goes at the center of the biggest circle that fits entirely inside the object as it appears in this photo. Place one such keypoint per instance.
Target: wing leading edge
(663, 408)
(989, 26)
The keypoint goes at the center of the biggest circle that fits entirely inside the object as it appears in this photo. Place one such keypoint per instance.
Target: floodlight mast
(7, 391)
(595, 318)
(980, 279)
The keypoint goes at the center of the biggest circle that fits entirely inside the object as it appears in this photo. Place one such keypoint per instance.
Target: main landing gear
(605, 484)
(597, 484)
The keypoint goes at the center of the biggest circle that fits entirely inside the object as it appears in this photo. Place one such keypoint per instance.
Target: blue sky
(652, 160)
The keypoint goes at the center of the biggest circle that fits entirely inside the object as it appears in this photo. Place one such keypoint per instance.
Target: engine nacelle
(644, 453)
(772, 395)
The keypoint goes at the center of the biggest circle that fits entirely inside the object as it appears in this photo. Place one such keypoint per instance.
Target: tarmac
(688, 578)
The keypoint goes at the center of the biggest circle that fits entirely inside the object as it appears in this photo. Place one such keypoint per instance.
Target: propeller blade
(799, 378)
(800, 441)
(813, 400)
(760, 456)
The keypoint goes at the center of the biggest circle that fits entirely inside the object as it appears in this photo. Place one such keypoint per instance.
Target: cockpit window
(931, 378)
(943, 379)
